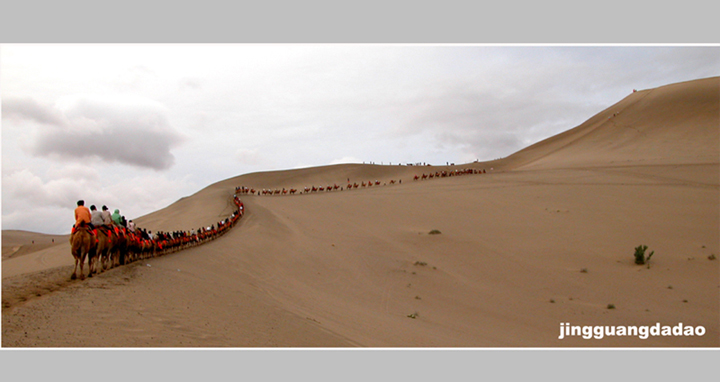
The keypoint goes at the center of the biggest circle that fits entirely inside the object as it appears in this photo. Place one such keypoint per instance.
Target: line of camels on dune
(107, 247)
(243, 190)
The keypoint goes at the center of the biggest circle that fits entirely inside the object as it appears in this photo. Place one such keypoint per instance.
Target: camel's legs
(74, 275)
(82, 264)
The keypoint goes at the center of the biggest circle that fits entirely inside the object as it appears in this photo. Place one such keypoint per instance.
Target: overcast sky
(138, 126)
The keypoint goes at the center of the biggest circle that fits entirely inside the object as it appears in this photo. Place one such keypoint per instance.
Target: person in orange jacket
(82, 216)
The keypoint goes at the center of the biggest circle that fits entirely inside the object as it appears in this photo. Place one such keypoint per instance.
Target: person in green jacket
(116, 218)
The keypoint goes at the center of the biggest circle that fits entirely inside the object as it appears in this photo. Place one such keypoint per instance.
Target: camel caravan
(443, 174)
(107, 245)
(110, 245)
(243, 190)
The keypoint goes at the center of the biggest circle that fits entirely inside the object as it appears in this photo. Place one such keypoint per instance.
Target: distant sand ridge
(544, 240)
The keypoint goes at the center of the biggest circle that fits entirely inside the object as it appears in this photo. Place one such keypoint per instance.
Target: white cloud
(19, 109)
(129, 130)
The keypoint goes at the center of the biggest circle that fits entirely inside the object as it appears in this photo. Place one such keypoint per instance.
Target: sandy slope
(19, 243)
(674, 124)
(359, 267)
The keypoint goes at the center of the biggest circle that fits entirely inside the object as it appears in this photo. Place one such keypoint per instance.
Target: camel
(101, 251)
(106, 255)
(133, 248)
(119, 250)
(82, 242)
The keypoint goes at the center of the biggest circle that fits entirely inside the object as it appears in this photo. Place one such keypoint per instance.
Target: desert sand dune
(673, 124)
(19, 243)
(546, 237)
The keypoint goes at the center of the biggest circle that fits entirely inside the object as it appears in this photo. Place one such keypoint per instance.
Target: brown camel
(119, 250)
(133, 248)
(81, 243)
(102, 251)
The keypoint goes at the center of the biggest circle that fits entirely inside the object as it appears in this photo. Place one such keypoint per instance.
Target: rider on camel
(117, 218)
(101, 220)
(82, 216)
(96, 217)
(106, 216)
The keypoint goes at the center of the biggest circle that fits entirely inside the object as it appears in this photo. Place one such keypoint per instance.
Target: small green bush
(611, 306)
(435, 232)
(640, 254)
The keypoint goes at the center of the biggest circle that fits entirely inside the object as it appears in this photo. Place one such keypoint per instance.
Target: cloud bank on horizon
(136, 127)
